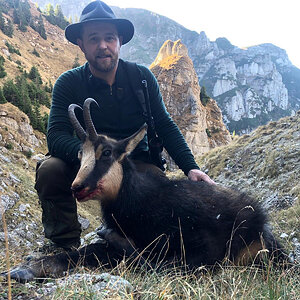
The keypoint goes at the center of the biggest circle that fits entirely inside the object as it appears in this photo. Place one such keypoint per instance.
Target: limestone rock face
(202, 126)
(251, 85)
(16, 130)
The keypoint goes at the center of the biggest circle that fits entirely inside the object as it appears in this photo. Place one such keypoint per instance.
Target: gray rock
(85, 223)
(5, 158)
(103, 285)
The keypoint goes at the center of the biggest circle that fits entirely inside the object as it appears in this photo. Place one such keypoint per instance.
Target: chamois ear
(131, 142)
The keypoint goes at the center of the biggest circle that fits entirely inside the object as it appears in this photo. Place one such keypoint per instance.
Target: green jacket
(119, 116)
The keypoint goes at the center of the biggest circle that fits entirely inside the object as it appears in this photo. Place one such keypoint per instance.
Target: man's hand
(197, 175)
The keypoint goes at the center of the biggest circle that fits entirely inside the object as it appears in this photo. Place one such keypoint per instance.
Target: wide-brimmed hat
(99, 11)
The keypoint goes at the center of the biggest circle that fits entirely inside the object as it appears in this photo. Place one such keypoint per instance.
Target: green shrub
(34, 52)
(2, 97)
(8, 146)
(76, 62)
(208, 132)
(28, 153)
(12, 49)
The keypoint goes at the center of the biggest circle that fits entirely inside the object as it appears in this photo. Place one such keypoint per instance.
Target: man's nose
(102, 44)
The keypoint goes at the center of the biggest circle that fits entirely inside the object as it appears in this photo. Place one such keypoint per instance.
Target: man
(100, 35)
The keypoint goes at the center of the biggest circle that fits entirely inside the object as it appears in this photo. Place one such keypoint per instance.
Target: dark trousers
(53, 184)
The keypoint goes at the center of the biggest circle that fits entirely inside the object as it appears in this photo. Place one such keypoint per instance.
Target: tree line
(28, 93)
(22, 17)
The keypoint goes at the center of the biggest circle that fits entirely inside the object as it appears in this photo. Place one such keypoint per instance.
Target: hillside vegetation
(33, 54)
(264, 163)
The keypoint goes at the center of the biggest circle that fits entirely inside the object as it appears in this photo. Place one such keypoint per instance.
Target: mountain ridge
(246, 99)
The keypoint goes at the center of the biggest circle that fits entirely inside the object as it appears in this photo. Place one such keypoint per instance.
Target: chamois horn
(90, 128)
(75, 123)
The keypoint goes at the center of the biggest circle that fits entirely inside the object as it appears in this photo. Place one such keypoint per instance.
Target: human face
(101, 45)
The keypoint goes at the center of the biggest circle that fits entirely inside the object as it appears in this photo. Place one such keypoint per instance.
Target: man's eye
(110, 38)
(106, 153)
(94, 39)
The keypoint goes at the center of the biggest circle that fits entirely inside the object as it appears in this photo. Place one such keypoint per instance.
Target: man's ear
(121, 40)
(80, 44)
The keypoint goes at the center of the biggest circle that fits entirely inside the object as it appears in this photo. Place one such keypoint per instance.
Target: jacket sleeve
(166, 128)
(60, 138)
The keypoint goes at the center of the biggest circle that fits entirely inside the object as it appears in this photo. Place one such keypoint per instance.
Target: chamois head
(100, 174)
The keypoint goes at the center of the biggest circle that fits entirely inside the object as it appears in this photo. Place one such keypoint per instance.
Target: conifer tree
(6, 26)
(2, 21)
(2, 69)
(60, 18)
(41, 28)
(203, 96)
(34, 75)
(49, 14)
(21, 14)
(12, 94)
(2, 97)
(9, 28)
(49, 10)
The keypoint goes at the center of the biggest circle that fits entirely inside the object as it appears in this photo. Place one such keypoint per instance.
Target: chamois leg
(124, 245)
(264, 247)
(54, 266)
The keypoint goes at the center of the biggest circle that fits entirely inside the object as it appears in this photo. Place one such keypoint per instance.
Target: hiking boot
(53, 248)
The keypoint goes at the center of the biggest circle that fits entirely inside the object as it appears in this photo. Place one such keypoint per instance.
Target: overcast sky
(243, 22)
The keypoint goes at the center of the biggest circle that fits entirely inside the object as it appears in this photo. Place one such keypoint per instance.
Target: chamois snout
(77, 188)
(80, 191)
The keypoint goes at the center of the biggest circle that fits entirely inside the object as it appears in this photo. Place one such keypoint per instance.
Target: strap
(139, 86)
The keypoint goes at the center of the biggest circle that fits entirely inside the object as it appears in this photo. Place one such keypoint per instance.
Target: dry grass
(224, 282)
(170, 61)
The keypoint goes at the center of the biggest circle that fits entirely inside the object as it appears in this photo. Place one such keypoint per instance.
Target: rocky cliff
(251, 85)
(202, 126)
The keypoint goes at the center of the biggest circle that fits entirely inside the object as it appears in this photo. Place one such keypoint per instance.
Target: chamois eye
(79, 154)
(106, 153)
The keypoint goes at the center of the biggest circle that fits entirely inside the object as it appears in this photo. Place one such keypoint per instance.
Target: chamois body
(183, 220)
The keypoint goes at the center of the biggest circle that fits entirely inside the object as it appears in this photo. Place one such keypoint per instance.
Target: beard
(103, 62)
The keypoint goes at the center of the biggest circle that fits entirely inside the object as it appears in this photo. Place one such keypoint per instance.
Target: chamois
(154, 218)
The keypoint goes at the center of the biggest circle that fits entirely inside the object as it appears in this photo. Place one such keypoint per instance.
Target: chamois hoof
(20, 274)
